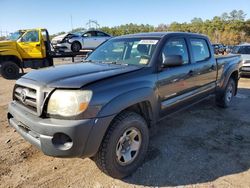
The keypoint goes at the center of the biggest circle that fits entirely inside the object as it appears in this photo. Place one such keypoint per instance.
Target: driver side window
(31, 36)
(90, 34)
(176, 46)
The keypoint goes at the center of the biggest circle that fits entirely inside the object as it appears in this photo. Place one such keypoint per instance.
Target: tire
(225, 99)
(116, 156)
(10, 70)
(76, 47)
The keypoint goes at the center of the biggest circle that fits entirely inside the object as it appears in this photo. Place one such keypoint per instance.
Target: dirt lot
(203, 146)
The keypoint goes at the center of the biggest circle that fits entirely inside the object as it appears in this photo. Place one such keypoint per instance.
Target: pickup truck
(105, 107)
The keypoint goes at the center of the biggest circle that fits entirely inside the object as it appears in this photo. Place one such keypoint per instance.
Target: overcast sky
(55, 15)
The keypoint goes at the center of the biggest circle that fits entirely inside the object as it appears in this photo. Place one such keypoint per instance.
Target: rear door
(101, 37)
(29, 45)
(203, 66)
(174, 85)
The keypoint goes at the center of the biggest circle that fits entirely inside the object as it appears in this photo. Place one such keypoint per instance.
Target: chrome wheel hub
(229, 93)
(128, 146)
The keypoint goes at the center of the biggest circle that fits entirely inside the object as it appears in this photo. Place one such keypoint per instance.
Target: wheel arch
(141, 104)
(76, 41)
(13, 58)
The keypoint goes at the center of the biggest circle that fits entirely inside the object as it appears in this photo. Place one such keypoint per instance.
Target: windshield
(79, 33)
(16, 35)
(130, 51)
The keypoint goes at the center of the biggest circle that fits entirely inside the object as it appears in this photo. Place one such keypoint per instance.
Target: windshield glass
(79, 33)
(130, 51)
(16, 35)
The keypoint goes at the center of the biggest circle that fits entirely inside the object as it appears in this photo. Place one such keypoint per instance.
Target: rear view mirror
(172, 61)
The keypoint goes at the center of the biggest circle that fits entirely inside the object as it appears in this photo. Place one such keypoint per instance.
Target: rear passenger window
(200, 49)
(176, 47)
(101, 34)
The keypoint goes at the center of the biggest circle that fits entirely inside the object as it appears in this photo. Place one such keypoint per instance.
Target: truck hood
(7, 45)
(77, 75)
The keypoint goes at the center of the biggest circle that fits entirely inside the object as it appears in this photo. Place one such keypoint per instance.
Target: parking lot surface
(203, 146)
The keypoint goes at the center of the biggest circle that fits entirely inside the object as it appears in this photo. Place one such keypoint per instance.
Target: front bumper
(62, 46)
(85, 135)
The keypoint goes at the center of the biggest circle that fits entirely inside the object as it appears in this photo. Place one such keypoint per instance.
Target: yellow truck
(27, 49)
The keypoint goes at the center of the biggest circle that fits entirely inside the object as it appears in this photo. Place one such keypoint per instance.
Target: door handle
(191, 73)
(38, 45)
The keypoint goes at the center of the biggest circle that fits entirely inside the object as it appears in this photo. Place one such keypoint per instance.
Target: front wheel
(124, 146)
(76, 47)
(226, 98)
(9, 70)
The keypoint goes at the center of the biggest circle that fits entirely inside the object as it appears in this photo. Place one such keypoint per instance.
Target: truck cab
(29, 50)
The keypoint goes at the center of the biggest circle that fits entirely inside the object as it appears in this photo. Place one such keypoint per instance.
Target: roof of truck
(159, 34)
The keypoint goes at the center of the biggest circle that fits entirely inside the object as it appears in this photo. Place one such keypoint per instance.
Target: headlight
(69, 102)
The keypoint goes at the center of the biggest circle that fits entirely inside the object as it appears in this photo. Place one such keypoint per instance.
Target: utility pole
(71, 21)
(92, 24)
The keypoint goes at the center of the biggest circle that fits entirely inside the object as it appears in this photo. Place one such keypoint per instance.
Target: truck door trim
(187, 96)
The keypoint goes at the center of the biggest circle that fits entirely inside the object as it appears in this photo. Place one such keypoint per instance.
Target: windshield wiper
(115, 62)
(108, 62)
(91, 61)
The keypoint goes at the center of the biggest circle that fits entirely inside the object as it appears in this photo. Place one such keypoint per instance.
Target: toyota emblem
(23, 95)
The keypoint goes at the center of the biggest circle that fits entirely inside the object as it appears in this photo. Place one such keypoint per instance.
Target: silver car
(244, 51)
(74, 42)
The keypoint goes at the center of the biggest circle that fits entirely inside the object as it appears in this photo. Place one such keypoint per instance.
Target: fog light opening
(62, 141)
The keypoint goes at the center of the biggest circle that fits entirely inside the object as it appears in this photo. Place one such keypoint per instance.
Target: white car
(74, 42)
(244, 51)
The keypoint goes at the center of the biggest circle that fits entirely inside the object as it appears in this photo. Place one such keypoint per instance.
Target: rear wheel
(124, 147)
(76, 47)
(226, 98)
(10, 70)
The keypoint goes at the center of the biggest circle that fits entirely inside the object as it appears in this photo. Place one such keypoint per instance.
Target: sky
(55, 15)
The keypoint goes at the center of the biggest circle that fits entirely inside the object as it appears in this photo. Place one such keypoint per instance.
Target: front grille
(26, 96)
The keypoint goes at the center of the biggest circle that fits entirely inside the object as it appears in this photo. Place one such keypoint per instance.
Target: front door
(173, 82)
(89, 40)
(29, 45)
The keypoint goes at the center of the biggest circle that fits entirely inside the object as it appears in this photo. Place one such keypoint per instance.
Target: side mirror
(172, 61)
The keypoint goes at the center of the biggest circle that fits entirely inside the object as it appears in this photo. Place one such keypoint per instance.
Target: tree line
(230, 28)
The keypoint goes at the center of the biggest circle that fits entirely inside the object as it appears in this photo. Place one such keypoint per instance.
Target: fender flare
(227, 74)
(128, 99)
(8, 54)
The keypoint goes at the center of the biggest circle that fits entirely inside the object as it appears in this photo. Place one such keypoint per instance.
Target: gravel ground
(204, 146)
